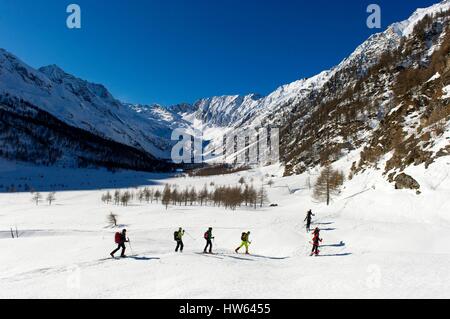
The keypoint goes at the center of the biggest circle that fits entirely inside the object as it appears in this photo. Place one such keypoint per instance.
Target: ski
(209, 255)
(120, 257)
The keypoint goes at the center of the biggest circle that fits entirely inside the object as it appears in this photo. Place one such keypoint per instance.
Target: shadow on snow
(142, 258)
(336, 255)
(268, 257)
(23, 178)
(341, 244)
(238, 258)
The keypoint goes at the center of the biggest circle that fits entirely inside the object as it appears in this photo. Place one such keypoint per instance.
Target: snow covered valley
(377, 242)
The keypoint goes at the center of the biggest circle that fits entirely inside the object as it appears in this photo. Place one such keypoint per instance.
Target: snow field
(378, 243)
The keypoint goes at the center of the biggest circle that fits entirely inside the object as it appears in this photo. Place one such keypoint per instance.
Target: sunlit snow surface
(378, 242)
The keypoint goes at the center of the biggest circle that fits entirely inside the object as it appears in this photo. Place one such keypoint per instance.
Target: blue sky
(171, 51)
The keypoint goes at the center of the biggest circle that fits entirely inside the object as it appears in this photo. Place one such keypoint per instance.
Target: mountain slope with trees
(389, 98)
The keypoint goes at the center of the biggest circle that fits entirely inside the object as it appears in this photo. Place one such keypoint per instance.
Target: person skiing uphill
(178, 236)
(120, 239)
(208, 237)
(308, 219)
(245, 242)
(316, 231)
(316, 242)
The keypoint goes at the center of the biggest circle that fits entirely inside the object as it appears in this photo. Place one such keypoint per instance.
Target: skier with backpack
(308, 219)
(245, 242)
(208, 237)
(178, 237)
(120, 239)
(316, 242)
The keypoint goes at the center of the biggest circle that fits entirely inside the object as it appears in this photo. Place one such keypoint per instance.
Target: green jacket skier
(245, 242)
(178, 236)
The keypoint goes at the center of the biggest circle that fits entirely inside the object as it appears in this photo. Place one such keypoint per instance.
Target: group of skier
(208, 236)
(178, 237)
(121, 239)
(316, 240)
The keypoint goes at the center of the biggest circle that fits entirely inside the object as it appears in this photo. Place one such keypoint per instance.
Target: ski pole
(190, 236)
(131, 248)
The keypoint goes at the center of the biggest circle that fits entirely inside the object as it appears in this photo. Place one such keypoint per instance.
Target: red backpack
(206, 235)
(316, 239)
(118, 238)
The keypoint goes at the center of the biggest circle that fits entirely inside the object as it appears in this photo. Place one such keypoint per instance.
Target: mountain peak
(406, 27)
(53, 72)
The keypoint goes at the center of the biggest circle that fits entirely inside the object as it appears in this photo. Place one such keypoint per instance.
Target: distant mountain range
(50, 117)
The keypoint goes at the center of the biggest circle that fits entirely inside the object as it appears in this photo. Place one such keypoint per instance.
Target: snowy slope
(226, 110)
(235, 111)
(378, 243)
(406, 27)
(84, 105)
(293, 104)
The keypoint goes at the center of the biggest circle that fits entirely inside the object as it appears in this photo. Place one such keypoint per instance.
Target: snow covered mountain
(382, 117)
(293, 104)
(302, 109)
(235, 111)
(392, 85)
(394, 116)
(85, 106)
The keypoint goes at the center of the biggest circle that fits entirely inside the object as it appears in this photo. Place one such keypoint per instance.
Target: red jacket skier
(120, 239)
(316, 242)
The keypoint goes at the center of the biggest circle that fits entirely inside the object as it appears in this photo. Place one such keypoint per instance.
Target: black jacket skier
(308, 219)
(208, 237)
(121, 244)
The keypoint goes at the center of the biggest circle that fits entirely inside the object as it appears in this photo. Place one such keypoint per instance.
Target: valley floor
(378, 243)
